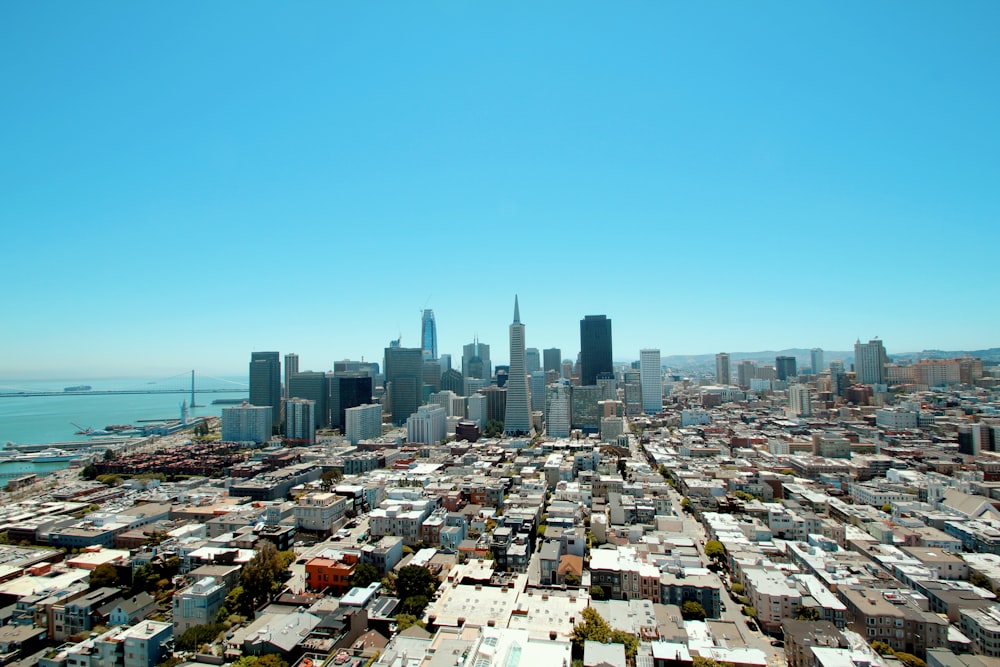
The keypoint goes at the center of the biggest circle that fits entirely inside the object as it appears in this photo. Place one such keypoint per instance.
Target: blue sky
(182, 183)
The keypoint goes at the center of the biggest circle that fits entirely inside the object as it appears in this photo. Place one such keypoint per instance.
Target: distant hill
(706, 362)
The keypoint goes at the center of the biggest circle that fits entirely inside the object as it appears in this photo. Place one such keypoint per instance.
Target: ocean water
(44, 419)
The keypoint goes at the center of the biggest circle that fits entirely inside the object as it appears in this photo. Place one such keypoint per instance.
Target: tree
(750, 611)
(103, 575)
(403, 621)
(414, 605)
(110, 480)
(195, 636)
(686, 504)
(622, 467)
(803, 613)
(89, 472)
(699, 661)
(630, 641)
(887, 508)
(364, 574)
(597, 593)
(571, 580)
(593, 628)
(414, 580)
(259, 578)
(693, 611)
(715, 550)
(981, 580)
(910, 660)
(494, 428)
(882, 648)
(330, 478)
(737, 589)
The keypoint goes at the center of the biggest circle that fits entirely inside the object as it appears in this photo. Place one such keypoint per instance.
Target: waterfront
(43, 419)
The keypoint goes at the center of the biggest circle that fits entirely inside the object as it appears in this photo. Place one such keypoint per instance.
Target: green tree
(981, 580)
(699, 661)
(737, 589)
(597, 592)
(803, 613)
(103, 575)
(882, 648)
(259, 578)
(686, 504)
(750, 611)
(494, 428)
(630, 641)
(593, 628)
(330, 478)
(414, 605)
(571, 580)
(622, 467)
(89, 471)
(715, 550)
(364, 574)
(404, 621)
(910, 660)
(693, 611)
(194, 637)
(887, 508)
(110, 480)
(414, 580)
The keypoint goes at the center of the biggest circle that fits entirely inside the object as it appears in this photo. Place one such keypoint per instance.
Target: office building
(347, 389)
(428, 335)
(799, 400)
(291, 368)
(584, 408)
(536, 386)
(311, 386)
(551, 359)
(816, 359)
(869, 362)
(363, 422)
(428, 425)
(517, 416)
(557, 417)
(300, 421)
(567, 369)
(476, 410)
(496, 403)
(246, 423)
(404, 381)
(265, 382)
(532, 360)
(452, 380)
(651, 379)
(722, 375)
(595, 348)
(476, 360)
(784, 367)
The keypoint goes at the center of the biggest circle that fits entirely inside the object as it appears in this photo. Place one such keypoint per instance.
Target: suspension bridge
(84, 390)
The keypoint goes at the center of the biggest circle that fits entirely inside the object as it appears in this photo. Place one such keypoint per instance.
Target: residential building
(870, 360)
(363, 422)
(429, 425)
(722, 373)
(198, 604)
(300, 421)
(651, 381)
(247, 423)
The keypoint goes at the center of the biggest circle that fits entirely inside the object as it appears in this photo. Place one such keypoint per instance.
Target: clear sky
(183, 183)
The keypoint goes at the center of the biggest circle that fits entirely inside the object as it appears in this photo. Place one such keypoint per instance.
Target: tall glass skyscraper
(428, 335)
(595, 348)
(265, 382)
(517, 416)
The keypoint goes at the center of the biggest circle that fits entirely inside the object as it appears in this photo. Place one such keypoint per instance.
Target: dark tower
(265, 382)
(595, 348)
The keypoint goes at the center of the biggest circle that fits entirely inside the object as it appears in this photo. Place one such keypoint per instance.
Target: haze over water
(39, 419)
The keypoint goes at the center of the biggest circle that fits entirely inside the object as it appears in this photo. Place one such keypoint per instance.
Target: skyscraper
(517, 417)
(476, 360)
(364, 422)
(816, 359)
(869, 361)
(265, 382)
(300, 421)
(291, 368)
(532, 360)
(428, 335)
(346, 390)
(311, 386)
(404, 381)
(651, 378)
(784, 367)
(551, 359)
(595, 348)
(722, 375)
(557, 410)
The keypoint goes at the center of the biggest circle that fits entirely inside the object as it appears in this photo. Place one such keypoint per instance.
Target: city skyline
(777, 160)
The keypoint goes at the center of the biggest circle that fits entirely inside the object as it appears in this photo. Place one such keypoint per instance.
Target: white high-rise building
(476, 409)
(651, 379)
(869, 362)
(428, 425)
(557, 410)
(364, 422)
(800, 400)
(300, 421)
(722, 375)
(517, 416)
(246, 423)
